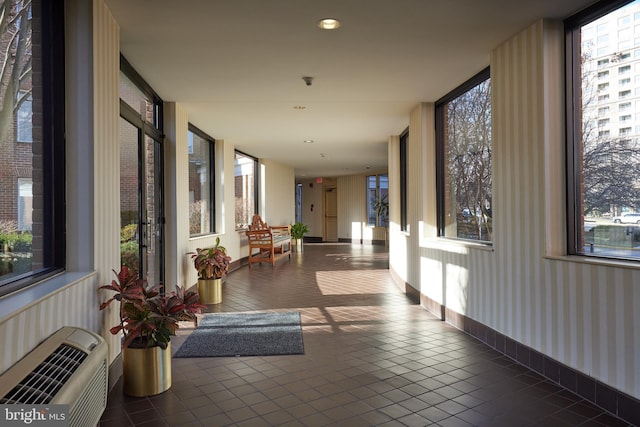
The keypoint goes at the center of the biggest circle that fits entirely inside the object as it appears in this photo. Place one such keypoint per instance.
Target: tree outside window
(32, 183)
(378, 200)
(604, 166)
(17, 160)
(464, 161)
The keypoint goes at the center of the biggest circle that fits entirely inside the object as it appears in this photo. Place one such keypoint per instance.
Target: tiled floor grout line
(372, 358)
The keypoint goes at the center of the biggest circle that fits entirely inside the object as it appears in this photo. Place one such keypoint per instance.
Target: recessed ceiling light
(299, 107)
(328, 23)
(308, 141)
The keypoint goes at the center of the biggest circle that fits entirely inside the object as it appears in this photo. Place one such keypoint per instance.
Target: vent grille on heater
(44, 382)
(69, 367)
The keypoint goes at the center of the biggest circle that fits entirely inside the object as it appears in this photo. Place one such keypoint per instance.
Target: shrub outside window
(603, 167)
(464, 172)
(201, 207)
(246, 189)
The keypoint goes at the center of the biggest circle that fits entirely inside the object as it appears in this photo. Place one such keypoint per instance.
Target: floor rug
(244, 334)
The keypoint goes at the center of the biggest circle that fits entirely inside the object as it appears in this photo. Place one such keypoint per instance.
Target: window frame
(52, 54)
(256, 186)
(404, 146)
(573, 113)
(141, 84)
(212, 173)
(440, 127)
(378, 223)
(152, 130)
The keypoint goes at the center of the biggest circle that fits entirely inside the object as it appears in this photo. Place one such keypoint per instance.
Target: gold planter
(146, 371)
(210, 291)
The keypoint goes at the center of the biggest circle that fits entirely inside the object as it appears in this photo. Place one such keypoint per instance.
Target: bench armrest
(281, 230)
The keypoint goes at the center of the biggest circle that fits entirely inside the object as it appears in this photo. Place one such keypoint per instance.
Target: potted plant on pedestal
(212, 265)
(147, 321)
(298, 230)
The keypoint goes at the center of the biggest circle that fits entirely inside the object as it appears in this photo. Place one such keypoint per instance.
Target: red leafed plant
(148, 319)
(211, 263)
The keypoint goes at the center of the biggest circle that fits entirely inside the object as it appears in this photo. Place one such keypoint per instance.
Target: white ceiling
(236, 67)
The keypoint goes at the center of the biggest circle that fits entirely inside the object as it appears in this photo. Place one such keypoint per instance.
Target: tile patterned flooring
(372, 358)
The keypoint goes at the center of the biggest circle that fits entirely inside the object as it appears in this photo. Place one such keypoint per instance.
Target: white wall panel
(176, 188)
(71, 305)
(106, 170)
(279, 192)
(352, 207)
(577, 312)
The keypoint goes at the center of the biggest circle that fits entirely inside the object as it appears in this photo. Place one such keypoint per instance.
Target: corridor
(372, 358)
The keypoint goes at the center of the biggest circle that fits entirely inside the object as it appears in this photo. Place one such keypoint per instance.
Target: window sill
(23, 298)
(202, 236)
(596, 261)
(455, 245)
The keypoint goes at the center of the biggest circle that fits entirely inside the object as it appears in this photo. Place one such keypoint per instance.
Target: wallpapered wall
(578, 312)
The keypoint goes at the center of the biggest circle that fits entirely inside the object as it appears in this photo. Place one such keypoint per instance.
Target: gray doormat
(244, 334)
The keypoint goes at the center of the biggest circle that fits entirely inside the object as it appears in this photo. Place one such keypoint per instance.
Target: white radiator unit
(68, 368)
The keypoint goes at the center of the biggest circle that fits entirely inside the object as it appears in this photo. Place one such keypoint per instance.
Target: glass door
(141, 213)
(152, 217)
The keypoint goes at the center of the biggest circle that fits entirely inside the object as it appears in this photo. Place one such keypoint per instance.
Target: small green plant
(22, 242)
(298, 230)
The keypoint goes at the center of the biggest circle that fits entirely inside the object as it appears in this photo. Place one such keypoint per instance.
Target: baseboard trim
(115, 371)
(606, 397)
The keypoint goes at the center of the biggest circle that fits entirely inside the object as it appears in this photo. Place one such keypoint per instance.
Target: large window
(246, 188)
(201, 207)
(32, 243)
(463, 140)
(404, 225)
(378, 200)
(603, 164)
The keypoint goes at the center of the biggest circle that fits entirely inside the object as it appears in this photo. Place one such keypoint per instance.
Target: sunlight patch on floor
(350, 282)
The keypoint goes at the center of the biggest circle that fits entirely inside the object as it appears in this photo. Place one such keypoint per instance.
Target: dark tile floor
(372, 358)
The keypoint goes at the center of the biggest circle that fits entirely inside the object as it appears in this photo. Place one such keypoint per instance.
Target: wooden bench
(272, 242)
